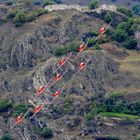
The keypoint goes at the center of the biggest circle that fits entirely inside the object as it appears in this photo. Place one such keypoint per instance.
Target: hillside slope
(27, 60)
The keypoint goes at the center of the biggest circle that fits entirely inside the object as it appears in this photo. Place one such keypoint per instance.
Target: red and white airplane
(37, 109)
(19, 119)
(63, 61)
(103, 30)
(40, 90)
(82, 65)
(82, 47)
(57, 78)
(58, 92)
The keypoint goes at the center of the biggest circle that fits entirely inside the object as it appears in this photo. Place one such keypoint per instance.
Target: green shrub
(19, 108)
(46, 2)
(104, 39)
(19, 18)
(95, 33)
(107, 17)
(136, 9)
(60, 51)
(31, 16)
(41, 12)
(34, 14)
(115, 94)
(12, 14)
(134, 108)
(90, 116)
(130, 44)
(129, 27)
(94, 4)
(6, 137)
(125, 11)
(121, 35)
(137, 138)
(4, 104)
(47, 133)
(97, 47)
(123, 26)
(73, 46)
(113, 105)
(9, 3)
(91, 42)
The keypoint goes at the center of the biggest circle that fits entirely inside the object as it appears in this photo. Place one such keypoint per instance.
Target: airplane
(57, 78)
(82, 65)
(103, 30)
(58, 92)
(40, 90)
(63, 61)
(38, 108)
(82, 47)
(19, 119)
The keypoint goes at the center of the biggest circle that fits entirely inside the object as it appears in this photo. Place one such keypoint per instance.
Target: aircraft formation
(41, 90)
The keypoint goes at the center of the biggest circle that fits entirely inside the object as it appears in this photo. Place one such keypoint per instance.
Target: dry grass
(131, 63)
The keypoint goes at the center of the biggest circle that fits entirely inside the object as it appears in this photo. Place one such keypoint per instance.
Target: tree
(120, 35)
(47, 133)
(47, 2)
(7, 137)
(9, 3)
(97, 47)
(4, 104)
(19, 18)
(91, 42)
(19, 108)
(107, 17)
(126, 11)
(130, 44)
(94, 4)
(136, 9)
(137, 138)
(59, 51)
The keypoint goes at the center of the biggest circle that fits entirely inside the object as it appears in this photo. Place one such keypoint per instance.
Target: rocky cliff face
(43, 40)
(22, 70)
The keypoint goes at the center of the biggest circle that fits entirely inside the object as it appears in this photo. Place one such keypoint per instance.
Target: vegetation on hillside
(115, 106)
(4, 105)
(20, 17)
(93, 4)
(7, 136)
(47, 132)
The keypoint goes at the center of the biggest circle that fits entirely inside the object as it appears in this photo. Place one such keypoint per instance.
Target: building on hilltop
(56, 7)
(110, 7)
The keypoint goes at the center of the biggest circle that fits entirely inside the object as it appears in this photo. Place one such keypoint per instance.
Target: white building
(56, 7)
(110, 7)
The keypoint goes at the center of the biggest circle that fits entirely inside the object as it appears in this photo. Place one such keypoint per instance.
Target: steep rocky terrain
(27, 61)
